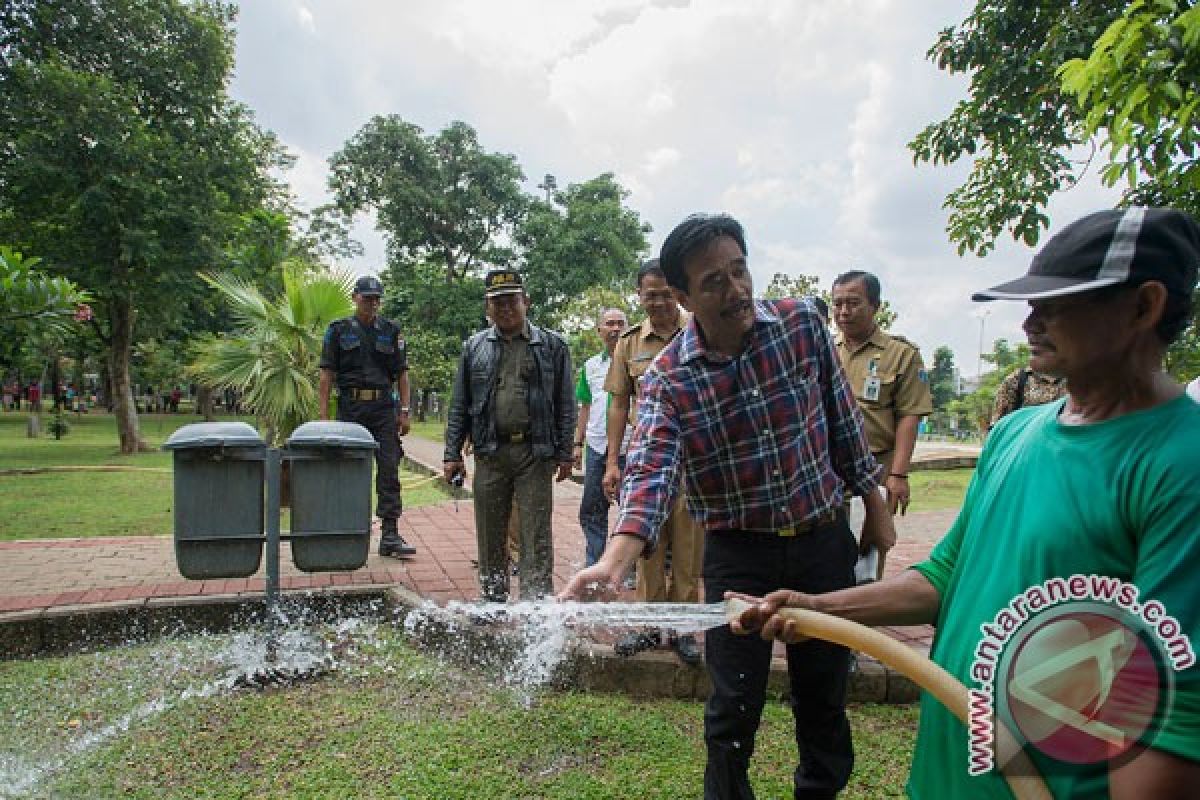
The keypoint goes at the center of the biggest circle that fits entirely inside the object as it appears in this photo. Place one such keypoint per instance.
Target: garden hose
(1022, 776)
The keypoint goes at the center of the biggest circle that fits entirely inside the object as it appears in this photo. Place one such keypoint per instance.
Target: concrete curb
(590, 667)
(69, 629)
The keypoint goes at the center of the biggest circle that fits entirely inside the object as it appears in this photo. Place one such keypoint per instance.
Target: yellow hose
(1022, 776)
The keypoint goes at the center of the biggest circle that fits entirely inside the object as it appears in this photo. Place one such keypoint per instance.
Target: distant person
(681, 540)
(1099, 484)
(591, 435)
(748, 413)
(34, 396)
(513, 398)
(1026, 387)
(888, 379)
(365, 356)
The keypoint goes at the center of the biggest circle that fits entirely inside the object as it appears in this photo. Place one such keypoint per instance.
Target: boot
(391, 543)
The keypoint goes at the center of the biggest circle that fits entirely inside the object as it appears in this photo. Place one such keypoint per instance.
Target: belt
(365, 394)
(513, 438)
(809, 525)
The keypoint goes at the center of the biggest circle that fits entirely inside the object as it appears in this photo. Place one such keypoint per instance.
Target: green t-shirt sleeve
(1167, 511)
(939, 566)
(583, 392)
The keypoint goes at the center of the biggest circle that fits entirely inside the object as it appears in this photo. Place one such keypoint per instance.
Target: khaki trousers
(686, 542)
(511, 478)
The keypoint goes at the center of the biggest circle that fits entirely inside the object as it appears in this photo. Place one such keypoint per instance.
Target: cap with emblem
(368, 286)
(502, 281)
(1107, 248)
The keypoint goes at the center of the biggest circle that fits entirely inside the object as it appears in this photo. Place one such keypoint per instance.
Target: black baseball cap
(368, 286)
(1108, 248)
(502, 281)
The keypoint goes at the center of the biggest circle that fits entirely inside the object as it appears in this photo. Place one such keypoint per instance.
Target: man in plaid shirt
(751, 396)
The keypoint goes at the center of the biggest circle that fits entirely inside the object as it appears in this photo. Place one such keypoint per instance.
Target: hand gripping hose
(1022, 776)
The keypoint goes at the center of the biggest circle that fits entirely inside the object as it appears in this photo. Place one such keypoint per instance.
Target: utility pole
(983, 315)
(549, 184)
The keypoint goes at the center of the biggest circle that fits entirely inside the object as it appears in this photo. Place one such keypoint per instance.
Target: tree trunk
(204, 403)
(122, 389)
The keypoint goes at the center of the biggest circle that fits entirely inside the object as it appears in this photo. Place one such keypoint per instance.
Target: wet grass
(393, 723)
(114, 495)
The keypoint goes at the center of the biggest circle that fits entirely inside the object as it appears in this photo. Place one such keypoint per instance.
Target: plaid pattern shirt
(763, 441)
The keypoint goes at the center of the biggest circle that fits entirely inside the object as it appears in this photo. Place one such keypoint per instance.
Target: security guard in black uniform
(365, 355)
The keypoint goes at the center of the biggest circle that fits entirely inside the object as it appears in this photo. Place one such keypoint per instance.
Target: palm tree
(271, 357)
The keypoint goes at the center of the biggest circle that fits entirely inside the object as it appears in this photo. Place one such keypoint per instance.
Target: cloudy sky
(792, 116)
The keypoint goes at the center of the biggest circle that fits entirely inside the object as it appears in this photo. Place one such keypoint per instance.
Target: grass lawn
(938, 489)
(434, 430)
(132, 500)
(135, 499)
(397, 724)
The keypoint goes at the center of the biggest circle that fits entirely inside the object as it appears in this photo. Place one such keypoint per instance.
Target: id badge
(871, 389)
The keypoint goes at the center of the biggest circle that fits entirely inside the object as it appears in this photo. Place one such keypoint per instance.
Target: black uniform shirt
(364, 356)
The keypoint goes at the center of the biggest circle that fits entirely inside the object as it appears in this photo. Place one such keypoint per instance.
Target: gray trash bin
(219, 469)
(330, 466)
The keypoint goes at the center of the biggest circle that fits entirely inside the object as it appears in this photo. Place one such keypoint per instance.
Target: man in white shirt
(591, 438)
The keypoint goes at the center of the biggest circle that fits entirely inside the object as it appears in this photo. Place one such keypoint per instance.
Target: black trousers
(379, 417)
(758, 563)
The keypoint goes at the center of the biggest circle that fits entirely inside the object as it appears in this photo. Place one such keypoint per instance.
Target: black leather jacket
(551, 396)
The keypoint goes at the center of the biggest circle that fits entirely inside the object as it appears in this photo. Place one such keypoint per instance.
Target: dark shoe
(396, 548)
(633, 643)
(687, 649)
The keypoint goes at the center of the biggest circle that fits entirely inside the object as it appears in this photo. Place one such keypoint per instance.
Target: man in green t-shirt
(1065, 595)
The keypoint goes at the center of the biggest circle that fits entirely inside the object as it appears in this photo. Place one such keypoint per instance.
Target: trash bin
(219, 469)
(330, 477)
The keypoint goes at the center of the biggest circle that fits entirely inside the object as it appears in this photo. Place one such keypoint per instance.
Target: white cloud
(306, 19)
(660, 159)
(793, 116)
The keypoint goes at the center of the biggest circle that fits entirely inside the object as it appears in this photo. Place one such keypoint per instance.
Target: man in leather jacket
(514, 399)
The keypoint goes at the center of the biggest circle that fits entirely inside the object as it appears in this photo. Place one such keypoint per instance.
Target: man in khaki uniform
(888, 379)
(635, 351)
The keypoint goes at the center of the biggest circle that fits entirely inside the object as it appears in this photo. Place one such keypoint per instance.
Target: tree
(124, 161)
(440, 199)
(784, 285)
(585, 238)
(1007, 358)
(1137, 91)
(943, 383)
(1017, 121)
(272, 355)
(32, 300)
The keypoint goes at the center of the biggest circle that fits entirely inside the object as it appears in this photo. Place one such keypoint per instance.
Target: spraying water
(527, 643)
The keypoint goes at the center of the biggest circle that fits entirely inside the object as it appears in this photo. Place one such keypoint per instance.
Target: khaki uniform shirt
(512, 385)
(634, 353)
(889, 381)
